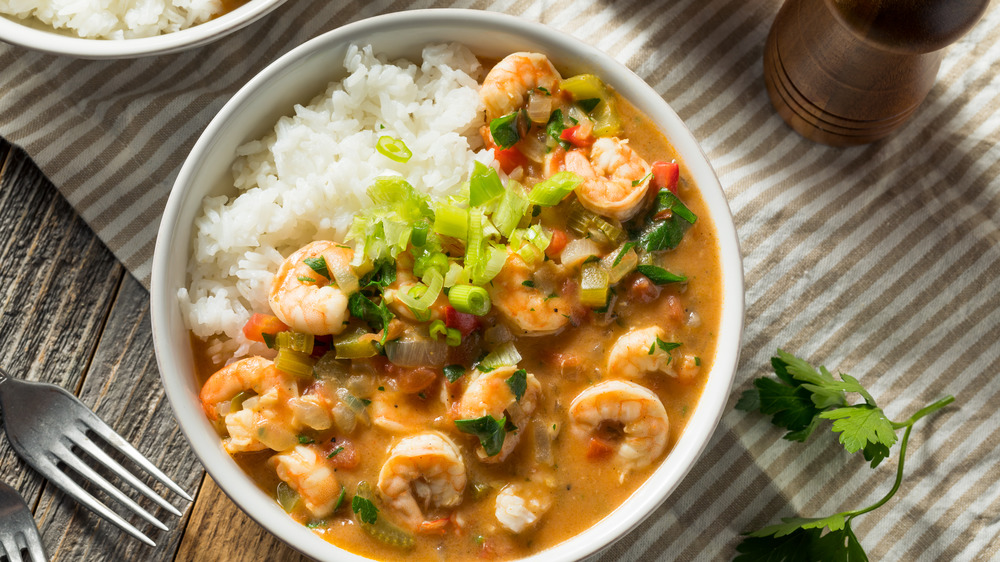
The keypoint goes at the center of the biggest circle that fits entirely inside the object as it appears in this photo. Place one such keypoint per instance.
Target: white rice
(308, 178)
(114, 19)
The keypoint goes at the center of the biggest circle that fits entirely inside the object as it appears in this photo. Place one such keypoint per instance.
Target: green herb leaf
(490, 431)
(305, 279)
(504, 130)
(269, 339)
(660, 276)
(588, 104)
(318, 265)
(518, 383)
(305, 439)
(860, 426)
(453, 372)
(335, 452)
(666, 234)
(365, 509)
(528, 283)
(621, 254)
(382, 276)
(667, 346)
(376, 315)
(340, 498)
(555, 127)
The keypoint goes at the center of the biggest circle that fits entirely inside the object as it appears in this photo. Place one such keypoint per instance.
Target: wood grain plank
(218, 531)
(123, 387)
(57, 284)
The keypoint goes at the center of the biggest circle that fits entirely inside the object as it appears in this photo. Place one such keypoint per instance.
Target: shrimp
(638, 352)
(519, 506)
(308, 473)
(251, 374)
(615, 178)
(259, 423)
(505, 87)
(304, 299)
(491, 394)
(636, 410)
(426, 469)
(531, 311)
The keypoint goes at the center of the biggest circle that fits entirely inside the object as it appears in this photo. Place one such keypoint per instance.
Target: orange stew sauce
(584, 482)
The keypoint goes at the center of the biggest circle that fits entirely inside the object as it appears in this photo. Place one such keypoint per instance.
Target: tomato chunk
(463, 322)
(341, 453)
(557, 244)
(665, 175)
(577, 136)
(260, 324)
(599, 449)
(509, 158)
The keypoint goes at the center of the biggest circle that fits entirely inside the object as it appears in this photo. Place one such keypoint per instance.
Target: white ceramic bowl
(39, 38)
(296, 78)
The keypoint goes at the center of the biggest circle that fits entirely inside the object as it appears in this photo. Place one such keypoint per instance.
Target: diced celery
(594, 283)
(294, 362)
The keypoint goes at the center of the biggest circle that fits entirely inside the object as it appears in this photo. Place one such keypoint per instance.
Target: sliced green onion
(504, 355)
(594, 282)
(554, 189)
(419, 234)
(453, 337)
(294, 362)
(451, 221)
(454, 275)
(511, 208)
(470, 299)
(431, 260)
(496, 257)
(531, 242)
(474, 240)
(438, 328)
(393, 149)
(419, 298)
(484, 185)
(504, 130)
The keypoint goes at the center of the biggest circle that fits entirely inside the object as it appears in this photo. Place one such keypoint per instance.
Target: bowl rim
(692, 442)
(53, 42)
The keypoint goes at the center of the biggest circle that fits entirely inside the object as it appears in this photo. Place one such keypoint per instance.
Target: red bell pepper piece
(665, 175)
(575, 136)
(260, 324)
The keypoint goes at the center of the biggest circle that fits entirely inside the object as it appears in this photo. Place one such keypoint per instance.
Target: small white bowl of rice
(115, 29)
(295, 143)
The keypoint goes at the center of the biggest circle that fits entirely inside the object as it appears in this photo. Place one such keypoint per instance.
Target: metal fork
(17, 527)
(44, 423)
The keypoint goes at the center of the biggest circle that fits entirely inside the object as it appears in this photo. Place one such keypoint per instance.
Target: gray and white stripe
(882, 260)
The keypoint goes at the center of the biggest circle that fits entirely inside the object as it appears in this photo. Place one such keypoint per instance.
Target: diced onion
(276, 436)
(496, 335)
(533, 148)
(577, 251)
(344, 276)
(539, 107)
(329, 368)
(355, 404)
(308, 412)
(624, 266)
(344, 417)
(417, 352)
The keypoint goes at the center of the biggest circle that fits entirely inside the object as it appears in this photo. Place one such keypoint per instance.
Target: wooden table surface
(73, 316)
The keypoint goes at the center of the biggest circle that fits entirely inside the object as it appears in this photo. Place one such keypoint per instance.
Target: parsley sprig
(798, 401)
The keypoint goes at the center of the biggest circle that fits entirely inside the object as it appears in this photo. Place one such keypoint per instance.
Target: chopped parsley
(504, 130)
(365, 509)
(335, 452)
(453, 372)
(658, 275)
(318, 265)
(490, 431)
(518, 383)
(305, 279)
(305, 439)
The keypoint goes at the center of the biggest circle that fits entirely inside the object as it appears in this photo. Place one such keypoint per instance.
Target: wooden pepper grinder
(848, 72)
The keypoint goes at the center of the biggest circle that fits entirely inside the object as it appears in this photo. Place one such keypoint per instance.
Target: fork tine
(67, 485)
(90, 474)
(98, 426)
(35, 546)
(9, 544)
(81, 440)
